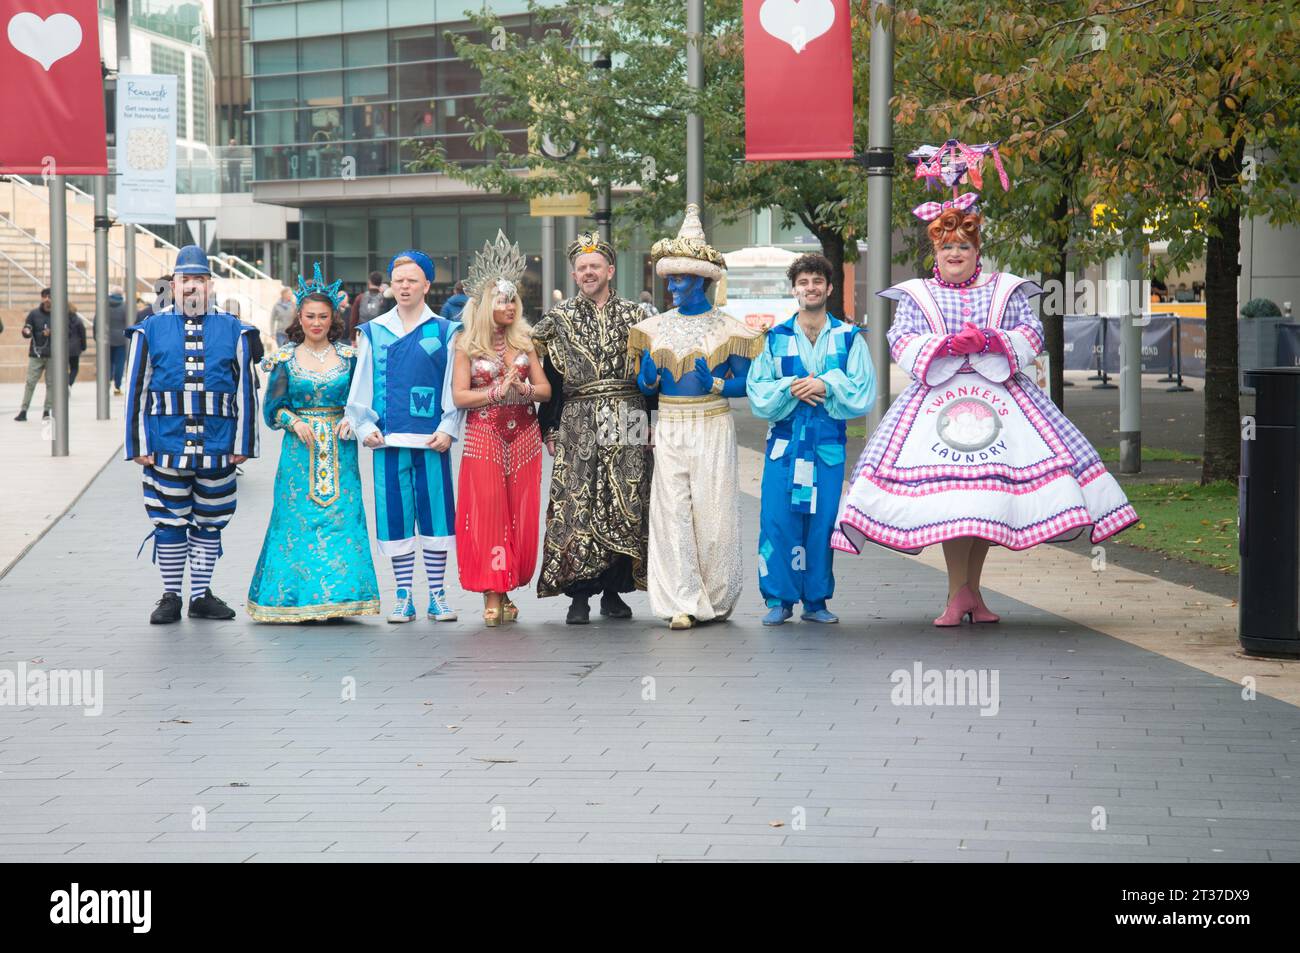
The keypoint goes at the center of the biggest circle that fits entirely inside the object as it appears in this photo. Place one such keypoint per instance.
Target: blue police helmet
(192, 260)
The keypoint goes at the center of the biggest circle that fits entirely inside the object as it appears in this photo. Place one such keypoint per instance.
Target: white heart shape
(797, 22)
(45, 41)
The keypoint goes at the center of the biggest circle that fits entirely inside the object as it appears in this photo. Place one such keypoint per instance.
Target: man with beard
(596, 426)
(191, 418)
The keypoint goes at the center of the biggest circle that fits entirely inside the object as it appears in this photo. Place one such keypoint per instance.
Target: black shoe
(614, 607)
(22, 415)
(579, 612)
(168, 611)
(208, 606)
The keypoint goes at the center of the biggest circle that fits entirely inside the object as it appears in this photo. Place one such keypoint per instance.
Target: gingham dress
(973, 447)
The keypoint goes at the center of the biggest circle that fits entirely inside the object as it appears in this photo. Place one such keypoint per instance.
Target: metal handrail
(163, 264)
(111, 211)
(6, 220)
(255, 272)
(16, 264)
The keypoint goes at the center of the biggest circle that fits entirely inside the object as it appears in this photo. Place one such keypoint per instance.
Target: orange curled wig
(956, 225)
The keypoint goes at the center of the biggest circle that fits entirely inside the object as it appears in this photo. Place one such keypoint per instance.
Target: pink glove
(995, 343)
(969, 340)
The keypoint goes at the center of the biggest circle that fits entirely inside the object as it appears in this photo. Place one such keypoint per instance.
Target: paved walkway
(39, 487)
(538, 741)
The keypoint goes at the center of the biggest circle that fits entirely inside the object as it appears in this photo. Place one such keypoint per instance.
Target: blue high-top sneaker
(404, 611)
(439, 611)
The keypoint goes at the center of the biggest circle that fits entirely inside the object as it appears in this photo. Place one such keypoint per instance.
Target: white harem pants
(695, 566)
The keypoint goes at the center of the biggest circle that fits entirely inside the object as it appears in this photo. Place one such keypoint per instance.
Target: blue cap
(419, 257)
(192, 260)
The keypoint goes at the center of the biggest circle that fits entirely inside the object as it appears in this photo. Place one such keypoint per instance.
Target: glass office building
(322, 102)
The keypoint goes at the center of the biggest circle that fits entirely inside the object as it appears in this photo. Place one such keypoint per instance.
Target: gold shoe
(681, 622)
(509, 611)
(491, 618)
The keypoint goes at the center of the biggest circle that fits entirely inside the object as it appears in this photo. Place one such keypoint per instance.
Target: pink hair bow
(929, 211)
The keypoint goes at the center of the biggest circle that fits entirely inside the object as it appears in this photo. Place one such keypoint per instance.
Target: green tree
(1149, 107)
(1183, 93)
(971, 72)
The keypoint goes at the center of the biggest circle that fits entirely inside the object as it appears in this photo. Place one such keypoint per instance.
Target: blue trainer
(820, 615)
(439, 611)
(404, 611)
(777, 615)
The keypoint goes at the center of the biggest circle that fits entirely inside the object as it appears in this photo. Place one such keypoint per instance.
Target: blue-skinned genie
(694, 357)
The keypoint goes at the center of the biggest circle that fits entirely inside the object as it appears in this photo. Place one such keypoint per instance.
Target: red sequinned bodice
(515, 412)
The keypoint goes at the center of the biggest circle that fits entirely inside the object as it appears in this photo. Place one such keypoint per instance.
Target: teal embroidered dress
(315, 561)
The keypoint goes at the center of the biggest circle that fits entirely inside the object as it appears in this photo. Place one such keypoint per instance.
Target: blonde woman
(496, 380)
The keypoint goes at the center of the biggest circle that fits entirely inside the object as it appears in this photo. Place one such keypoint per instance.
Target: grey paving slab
(614, 742)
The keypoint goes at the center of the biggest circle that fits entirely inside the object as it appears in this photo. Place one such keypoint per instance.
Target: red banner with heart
(798, 80)
(51, 88)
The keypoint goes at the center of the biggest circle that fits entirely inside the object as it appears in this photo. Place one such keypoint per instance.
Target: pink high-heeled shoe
(959, 606)
(982, 613)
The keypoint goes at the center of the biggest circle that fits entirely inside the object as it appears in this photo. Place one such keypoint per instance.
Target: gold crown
(589, 242)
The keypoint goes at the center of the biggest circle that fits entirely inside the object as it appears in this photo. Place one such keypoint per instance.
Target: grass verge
(1186, 521)
(1150, 455)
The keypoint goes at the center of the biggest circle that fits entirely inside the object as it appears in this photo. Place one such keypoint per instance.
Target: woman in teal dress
(315, 562)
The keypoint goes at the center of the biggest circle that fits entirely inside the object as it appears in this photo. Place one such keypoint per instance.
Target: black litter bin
(1269, 507)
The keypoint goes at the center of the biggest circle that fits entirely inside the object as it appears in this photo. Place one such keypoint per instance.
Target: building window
(325, 105)
(163, 59)
(200, 98)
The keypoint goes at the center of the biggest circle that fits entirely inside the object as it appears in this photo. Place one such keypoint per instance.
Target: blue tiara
(318, 286)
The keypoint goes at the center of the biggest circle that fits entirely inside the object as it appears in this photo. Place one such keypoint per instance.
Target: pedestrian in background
(142, 309)
(282, 315)
(76, 342)
(116, 335)
(368, 305)
(231, 306)
(36, 328)
(454, 305)
(647, 304)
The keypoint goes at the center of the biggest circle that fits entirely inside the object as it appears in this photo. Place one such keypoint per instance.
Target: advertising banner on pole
(798, 80)
(51, 89)
(146, 149)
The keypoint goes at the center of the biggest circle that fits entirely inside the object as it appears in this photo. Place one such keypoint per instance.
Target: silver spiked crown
(499, 266)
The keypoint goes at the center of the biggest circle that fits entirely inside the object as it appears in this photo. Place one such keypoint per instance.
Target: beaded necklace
(979, 266)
